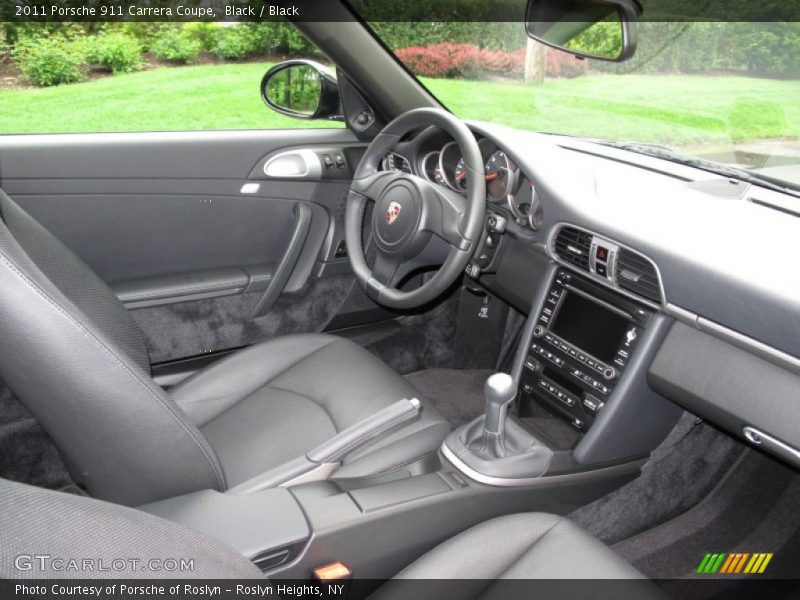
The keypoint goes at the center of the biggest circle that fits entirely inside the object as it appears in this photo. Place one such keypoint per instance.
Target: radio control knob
(609, 373)
(538, 331)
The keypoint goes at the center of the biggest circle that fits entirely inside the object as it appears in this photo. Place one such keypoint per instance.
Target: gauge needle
(489, 177)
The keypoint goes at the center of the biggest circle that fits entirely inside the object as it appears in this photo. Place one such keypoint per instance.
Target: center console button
(609, 373)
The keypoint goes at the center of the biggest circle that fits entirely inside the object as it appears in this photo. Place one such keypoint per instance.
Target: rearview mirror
(600, 29)
(302, 89)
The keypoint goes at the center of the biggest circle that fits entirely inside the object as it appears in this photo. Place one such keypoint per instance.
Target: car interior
(419, 347)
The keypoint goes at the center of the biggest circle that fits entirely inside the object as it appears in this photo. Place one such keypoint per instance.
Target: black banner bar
(701, 588)
(479, 11)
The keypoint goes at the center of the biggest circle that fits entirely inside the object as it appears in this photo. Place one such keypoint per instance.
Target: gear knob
(500, 390)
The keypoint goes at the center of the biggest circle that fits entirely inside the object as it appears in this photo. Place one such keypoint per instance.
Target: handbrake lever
(344, 442)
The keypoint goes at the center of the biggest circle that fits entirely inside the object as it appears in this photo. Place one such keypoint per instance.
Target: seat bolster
(484, 551)
(522, 546)
(210, 392)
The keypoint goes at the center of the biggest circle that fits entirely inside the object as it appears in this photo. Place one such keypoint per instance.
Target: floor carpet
(457, 393)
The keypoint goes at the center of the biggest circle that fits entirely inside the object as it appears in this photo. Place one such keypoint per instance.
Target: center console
(583, 340)
(580, 370)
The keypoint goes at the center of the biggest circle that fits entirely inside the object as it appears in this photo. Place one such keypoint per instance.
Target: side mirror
(302, 89)
(600, 29)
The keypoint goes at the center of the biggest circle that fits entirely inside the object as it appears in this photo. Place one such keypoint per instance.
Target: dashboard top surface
(725, 250)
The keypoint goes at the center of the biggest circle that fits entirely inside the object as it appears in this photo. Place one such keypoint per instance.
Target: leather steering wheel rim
(415, 222)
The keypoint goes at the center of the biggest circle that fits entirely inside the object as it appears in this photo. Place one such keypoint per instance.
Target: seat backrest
(38, 524)
(73, 355)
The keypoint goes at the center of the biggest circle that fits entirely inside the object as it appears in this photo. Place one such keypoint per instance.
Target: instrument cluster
(506, 185)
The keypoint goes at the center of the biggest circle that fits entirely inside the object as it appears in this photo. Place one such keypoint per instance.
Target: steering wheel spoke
(387, 270)
(372, 186)
(446, 210)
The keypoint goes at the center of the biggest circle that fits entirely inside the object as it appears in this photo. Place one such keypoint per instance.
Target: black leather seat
(268, 404)
(521, 546)
(73, 355)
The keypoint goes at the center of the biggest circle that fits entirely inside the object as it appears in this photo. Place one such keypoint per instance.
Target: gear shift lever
(500, 391)
(495, 445)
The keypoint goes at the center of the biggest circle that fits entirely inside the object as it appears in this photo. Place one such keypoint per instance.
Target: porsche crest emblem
(393, 212)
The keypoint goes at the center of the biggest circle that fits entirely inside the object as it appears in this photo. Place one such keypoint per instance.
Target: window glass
(723, 92)
(107, 77)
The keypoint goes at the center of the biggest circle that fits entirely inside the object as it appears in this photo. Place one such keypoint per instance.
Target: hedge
(54, 53)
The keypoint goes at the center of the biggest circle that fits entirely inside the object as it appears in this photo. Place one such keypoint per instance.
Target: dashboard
(706, 261)
(508, 190)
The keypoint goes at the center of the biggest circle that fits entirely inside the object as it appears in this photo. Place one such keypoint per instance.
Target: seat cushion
(274, 402)
(529, 546)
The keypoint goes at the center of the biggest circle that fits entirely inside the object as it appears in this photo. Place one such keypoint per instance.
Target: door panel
(133, 236)
(167, 220)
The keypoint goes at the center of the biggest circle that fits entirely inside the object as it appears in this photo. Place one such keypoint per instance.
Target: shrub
(49, 61)
(233, 42)
(146, 33)
(176, 46)
(446, 59)
(275, 37)
(203, 32)
(116, 52)
(467, 60)
(561, 64)
(5, 50)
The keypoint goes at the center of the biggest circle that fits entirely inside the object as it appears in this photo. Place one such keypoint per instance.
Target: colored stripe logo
(731, 563)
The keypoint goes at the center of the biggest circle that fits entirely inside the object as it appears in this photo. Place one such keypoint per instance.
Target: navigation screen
(590, 327)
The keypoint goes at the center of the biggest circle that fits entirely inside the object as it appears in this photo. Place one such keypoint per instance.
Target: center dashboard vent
(637, 274)
(573, 246)
(395, 162)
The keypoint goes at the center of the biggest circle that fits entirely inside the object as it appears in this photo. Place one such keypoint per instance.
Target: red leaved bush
(447, 59)
(451, 60)
(561, 64)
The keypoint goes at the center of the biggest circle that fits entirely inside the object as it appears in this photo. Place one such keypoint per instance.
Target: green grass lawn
(165, 99)
(678, 109)
(664, 108)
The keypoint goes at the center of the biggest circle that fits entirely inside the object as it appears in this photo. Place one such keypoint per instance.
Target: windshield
(727, 93)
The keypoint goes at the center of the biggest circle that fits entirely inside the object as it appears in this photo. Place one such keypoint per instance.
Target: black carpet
(458, 394)
(753, 509)
(27, 453)
(680, 473)
(423, 340)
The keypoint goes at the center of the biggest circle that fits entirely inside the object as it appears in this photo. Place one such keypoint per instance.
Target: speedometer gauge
(460, 175)
(499, 176)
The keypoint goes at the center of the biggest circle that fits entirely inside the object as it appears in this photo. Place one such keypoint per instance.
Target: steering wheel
(415, 223)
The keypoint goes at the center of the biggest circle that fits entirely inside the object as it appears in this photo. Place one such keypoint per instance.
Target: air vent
(573, 246)
(637, 274)
(396, 162)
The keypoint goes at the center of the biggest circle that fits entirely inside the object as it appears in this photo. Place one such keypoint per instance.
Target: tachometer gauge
(499, 176)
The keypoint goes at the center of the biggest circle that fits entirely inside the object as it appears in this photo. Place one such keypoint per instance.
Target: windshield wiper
(739, 174)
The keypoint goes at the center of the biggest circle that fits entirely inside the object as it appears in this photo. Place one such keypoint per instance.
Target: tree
(535, 61)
